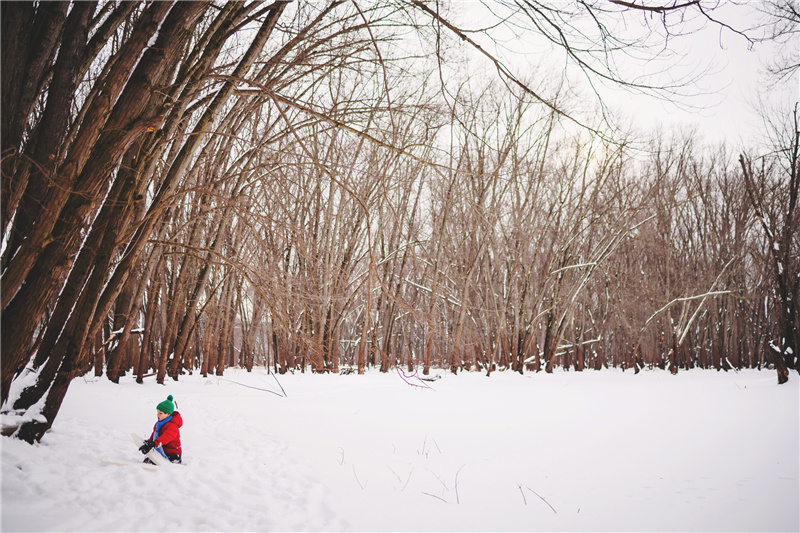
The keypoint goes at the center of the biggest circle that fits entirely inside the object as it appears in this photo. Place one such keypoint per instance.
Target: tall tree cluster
(188, 186)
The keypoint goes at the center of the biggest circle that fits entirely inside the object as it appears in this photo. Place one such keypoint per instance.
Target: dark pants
(172, 459)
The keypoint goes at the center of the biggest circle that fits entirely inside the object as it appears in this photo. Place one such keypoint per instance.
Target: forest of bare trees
(324, 187)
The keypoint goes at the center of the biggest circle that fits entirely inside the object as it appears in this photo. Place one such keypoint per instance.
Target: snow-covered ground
(591, 451)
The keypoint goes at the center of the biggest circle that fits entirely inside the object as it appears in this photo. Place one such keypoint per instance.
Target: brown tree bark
(72, 183)
(47, 270)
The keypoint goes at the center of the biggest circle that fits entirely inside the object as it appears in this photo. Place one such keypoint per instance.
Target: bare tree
(783, 24)
(773, 190)
(286, 170)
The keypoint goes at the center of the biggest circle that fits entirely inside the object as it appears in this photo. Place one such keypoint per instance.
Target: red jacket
(170, 437)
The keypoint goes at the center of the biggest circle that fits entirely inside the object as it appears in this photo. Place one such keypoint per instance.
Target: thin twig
(357, 480)
(436, 444)
(395, 473)
(444, 485)
(342, 461)
(407, 480)
(545, 501)
(250, 386)
(434, 496)
(456, 483)
(424, 443)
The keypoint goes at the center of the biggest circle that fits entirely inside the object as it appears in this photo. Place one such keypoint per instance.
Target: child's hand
(147, 446)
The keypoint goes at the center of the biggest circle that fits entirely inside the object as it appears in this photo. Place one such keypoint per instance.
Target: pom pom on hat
(166, 406)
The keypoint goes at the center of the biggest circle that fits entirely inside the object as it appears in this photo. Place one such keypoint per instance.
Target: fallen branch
(279, 385)
(682, 299)
(686, 299)
(406, 377)
(710, 293)
(116, 334)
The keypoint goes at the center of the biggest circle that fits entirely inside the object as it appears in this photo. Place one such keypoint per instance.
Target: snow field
(592, 451)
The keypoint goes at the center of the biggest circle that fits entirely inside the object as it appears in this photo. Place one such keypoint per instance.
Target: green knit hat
(166, 406)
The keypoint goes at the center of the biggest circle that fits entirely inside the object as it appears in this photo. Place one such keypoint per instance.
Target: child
(166, 436)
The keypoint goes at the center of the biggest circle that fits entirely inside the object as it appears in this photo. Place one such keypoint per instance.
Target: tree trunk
(44, 272)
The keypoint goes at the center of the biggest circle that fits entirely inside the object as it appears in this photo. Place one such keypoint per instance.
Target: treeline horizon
(189, 186)
(661, 265)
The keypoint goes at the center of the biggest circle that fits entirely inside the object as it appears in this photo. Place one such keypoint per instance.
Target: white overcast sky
(730, 72)
(731, 91)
